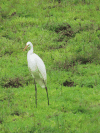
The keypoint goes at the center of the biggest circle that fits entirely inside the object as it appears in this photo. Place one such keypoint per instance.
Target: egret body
(37, 69)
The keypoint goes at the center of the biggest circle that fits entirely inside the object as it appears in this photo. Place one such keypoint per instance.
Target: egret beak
(25, 47)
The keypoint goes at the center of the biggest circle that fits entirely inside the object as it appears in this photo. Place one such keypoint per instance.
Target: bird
(37, 68)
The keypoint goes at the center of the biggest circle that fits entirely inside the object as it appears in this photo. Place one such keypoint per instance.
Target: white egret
(37, 69)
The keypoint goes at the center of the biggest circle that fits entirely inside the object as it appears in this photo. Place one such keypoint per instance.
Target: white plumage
(37, 69)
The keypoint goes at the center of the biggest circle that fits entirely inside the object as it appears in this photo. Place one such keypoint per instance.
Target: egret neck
(31, 50)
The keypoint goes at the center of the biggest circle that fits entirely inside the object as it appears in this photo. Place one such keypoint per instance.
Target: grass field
(66, 35)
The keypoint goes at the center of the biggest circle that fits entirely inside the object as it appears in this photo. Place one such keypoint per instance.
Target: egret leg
(47, 94)
(35, 93)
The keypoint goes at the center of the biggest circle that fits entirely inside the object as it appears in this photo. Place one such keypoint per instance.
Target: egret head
(28, 44)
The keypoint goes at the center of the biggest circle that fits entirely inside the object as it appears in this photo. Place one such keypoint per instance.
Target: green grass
(66, 35)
